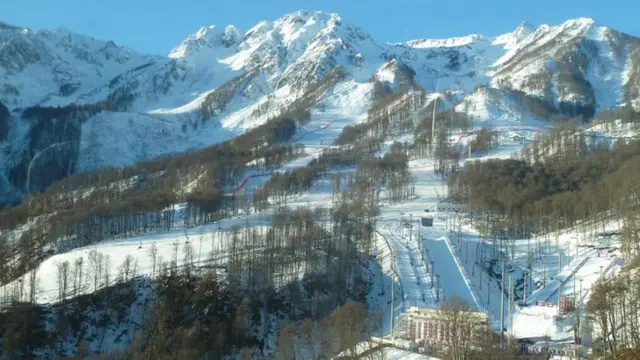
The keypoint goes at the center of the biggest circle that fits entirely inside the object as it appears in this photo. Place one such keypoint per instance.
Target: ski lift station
(427, 221)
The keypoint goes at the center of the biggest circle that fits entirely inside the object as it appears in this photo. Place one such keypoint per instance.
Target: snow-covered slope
(57, 67)
(220, 80)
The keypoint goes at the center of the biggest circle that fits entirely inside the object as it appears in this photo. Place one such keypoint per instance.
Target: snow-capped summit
(525, 28)
(57, 66)
(218, 75)
(208, 37)
(448, 42)
(581, 22)
(516, 36)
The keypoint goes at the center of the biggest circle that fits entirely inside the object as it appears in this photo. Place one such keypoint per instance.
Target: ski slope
(404, 253)
(452, 278)
(413, 272)
(592, 270)
(553, 287)
(202, 239)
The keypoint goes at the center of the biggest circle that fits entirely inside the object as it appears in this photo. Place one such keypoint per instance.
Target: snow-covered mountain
(221, 81)
(57, 67)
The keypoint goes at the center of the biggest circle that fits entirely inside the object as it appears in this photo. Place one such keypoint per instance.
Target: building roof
(420, 313)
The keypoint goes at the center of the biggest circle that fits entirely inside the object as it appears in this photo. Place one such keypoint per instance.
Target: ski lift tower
(433, 119)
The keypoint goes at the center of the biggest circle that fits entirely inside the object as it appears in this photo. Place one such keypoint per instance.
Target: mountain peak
(578, 24)
(516, 36)
(7, 26)
(525, 28)
(307, 19)
(446, 42)
(210, 36)
(581, 20)
(304, 15)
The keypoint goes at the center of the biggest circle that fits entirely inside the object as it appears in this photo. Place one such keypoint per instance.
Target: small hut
(427, 221)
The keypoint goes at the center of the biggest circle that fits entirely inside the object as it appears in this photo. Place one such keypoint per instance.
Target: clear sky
(155, 26)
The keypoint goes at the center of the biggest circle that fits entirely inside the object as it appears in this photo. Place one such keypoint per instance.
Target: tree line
(614, 307)
(90, 207)
(392, 114)
(547, 196)
(304, 265)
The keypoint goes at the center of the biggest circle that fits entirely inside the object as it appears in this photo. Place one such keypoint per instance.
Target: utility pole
(393, 291)
(510, 311)
(560, 260)
(576, 332)
(575, 300)
(580, 303)
(558, 302)
(501, 309)
(466, 252)
(410, 227)
(459, 228)
(438, 288)
(579, 335)
(433, 123)
(524, 291)
(432, 271)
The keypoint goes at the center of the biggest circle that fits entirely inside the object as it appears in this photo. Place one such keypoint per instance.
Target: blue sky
(155, 26)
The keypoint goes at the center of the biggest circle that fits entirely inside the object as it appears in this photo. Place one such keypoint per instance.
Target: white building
(429, 327)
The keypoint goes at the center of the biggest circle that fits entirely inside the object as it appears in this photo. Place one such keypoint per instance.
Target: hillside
(260, 194)
(221, 81)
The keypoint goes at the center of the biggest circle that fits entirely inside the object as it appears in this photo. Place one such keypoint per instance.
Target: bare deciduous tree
(106, 268)
(286, 349)
(63, 279)
(187, 259)
(77, 275)
(33, 285)
(95, 264)
(153, 254)
(127, 270)
(464, 328)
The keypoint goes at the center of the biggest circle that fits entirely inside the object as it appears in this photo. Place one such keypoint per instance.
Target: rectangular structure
(429, 327)
(428, 221)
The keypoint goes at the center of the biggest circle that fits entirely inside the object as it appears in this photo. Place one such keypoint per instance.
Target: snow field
(110, 255)
(400, 256)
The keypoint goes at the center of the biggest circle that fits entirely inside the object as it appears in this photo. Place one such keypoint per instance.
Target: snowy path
(452, 280)
(412, 272)
(589, 273)
(399, 354)
(501, 129)
(551, 288)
